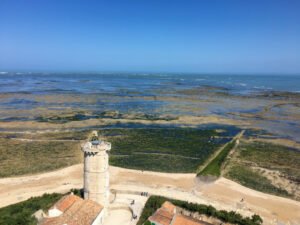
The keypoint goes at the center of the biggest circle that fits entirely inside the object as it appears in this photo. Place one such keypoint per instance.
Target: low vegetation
(250, 156)
(162, 149)
(215, 166)
(271, 156)
(155, 202)
(168, 163)
(81, 116)
(252, 179)
(19, 157)
(70, 135)
(155, 149)
(21, 213)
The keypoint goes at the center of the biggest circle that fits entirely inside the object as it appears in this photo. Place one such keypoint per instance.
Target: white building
(73, 210)
(96, 174)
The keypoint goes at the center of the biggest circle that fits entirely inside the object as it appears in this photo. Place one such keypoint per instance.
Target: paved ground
(119, 216)
(222, 194)
(124, 207)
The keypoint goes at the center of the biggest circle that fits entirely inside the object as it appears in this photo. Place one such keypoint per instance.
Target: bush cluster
(155, 202)
(21, 213)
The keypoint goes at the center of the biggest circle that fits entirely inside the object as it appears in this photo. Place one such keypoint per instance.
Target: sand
(222, 194)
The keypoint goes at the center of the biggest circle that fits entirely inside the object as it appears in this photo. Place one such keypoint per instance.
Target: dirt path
(223, 194)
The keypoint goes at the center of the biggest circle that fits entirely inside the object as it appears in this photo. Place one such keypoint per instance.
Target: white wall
(99, 218)
(54, 212)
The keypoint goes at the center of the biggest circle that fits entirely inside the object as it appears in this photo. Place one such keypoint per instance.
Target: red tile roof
(162, 216)
(81, 212)
(169, 206)
(65, 202)
(166, 215)
(184, 220)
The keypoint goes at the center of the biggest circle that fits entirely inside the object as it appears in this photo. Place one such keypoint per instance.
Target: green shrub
(21, 213)
(215, 166)
(147, 222)
(155, 202)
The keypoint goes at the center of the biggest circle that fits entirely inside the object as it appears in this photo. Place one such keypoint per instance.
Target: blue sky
(205, 36)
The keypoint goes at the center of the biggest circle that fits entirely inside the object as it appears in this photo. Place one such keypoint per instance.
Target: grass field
(162, 149)
(254, 180)
(251, 155)
(215, 166)
(274, 157)
(19, 157)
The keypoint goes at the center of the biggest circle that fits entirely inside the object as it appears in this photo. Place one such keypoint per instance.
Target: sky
(203, 36)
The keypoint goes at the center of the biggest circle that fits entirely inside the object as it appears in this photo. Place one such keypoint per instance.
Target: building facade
(96, 173)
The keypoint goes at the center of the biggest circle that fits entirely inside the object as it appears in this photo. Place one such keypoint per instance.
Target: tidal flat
(190, 101)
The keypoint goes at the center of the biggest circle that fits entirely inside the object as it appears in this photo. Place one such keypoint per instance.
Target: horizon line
(103, 72)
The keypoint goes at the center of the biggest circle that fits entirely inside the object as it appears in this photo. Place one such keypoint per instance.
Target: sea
(143, 83)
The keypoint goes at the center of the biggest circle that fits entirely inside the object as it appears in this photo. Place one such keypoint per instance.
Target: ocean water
(141, 84)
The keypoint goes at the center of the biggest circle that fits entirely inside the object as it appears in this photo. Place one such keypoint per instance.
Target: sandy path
(223, 194)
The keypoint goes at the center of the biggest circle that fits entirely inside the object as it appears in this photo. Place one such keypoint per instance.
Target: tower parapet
(96, 174)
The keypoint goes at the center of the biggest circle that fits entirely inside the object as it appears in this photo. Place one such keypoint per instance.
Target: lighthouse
(96, 174)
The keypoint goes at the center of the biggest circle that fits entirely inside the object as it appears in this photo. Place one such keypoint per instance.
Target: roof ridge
(77, 198)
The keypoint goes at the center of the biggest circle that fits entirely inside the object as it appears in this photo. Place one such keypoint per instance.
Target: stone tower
(96, 174)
